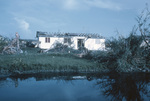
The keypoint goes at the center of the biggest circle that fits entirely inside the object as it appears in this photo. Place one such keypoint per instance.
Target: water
(76, 87)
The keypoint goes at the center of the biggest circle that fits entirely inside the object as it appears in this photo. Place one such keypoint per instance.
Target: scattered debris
(13, 47)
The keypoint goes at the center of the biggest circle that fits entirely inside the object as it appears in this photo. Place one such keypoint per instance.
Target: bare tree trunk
(17, 42)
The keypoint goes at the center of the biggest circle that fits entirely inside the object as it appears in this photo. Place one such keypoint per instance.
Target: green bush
(3, 42)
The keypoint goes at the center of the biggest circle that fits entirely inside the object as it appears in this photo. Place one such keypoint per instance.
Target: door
(80, 43)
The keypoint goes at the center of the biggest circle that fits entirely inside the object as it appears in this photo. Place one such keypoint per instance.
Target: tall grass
(46, 62)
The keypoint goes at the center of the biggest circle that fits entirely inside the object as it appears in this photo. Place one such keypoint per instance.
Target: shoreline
(6, 74)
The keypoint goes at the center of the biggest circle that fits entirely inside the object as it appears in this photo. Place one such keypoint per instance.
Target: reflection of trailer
(146, 42)
(79, 77)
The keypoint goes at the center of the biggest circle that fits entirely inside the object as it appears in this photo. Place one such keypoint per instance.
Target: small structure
(146, 42)
(29, 43)
(74, 40)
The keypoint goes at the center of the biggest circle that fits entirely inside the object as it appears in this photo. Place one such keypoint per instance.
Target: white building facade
(74, 40)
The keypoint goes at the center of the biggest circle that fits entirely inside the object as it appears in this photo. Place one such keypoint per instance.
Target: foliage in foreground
(123, 54)
(128, 54)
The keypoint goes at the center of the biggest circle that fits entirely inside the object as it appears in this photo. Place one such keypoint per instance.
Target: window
(97, 41)
(67, 40)
(47, 40)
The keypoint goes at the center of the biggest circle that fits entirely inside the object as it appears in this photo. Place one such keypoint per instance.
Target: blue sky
(78, 16)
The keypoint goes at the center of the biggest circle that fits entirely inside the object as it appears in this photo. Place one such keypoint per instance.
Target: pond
(76, 87)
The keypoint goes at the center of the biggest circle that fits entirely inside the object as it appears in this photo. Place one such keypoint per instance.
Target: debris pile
(13, 47)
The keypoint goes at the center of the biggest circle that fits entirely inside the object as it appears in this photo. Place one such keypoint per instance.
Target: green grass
(46, 62)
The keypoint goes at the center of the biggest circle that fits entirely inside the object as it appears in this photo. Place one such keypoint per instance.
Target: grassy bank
(46, 62)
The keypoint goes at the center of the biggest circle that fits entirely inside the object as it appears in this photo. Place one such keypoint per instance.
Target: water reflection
(129, 87)
(114, 86)
(66, 77)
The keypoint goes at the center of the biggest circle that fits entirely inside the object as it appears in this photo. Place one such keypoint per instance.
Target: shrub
(3, 42)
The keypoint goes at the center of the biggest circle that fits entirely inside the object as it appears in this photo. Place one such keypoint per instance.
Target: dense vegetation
(123, 55)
